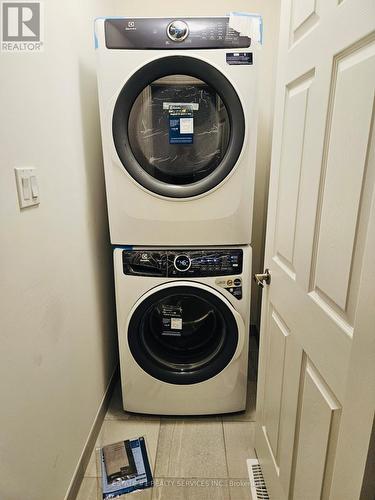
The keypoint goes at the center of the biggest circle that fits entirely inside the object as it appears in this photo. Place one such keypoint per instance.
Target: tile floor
(192, 458)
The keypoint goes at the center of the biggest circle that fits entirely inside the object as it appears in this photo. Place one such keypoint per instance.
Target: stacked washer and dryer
(178, 117)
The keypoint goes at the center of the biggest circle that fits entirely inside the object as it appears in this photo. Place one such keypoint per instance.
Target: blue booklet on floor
(142, 477)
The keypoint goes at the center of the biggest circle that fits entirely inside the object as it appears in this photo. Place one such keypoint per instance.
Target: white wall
(269, 9)
(57, 328)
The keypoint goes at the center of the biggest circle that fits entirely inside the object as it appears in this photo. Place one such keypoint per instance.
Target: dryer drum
(204, 153)
(183, 335)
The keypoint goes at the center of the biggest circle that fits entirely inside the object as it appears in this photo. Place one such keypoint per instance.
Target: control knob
(177, 31)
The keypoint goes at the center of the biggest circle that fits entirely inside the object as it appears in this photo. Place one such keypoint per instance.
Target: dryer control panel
(173, 33)
(180, 263)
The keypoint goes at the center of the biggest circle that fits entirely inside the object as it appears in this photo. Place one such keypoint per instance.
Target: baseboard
(83, 461)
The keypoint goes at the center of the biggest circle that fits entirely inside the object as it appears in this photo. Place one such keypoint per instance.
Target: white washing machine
(183, 328)
(179, 125)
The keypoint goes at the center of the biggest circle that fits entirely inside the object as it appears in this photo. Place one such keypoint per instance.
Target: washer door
(178, 126)
(184, 334)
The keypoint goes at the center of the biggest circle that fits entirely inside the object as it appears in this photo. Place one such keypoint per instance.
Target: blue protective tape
(123, 247)
(249, 14)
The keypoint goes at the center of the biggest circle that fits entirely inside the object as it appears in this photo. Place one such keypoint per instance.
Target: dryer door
(178, 126)
(184, 333)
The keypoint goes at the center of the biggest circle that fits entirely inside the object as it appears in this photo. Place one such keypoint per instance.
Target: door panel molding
(318, 412)
(346, 144)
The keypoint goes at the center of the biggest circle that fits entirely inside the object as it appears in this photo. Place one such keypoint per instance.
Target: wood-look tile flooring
(192, 458)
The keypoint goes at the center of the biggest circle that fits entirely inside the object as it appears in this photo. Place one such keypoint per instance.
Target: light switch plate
(27, 186)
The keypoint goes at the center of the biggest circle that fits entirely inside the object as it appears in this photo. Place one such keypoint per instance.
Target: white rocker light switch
(34, 187)
(27, 186)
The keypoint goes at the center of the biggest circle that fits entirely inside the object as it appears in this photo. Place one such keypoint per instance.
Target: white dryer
(183, 328)
(179, 124)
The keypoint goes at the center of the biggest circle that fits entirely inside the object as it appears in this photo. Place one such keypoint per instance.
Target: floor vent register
(257, 484)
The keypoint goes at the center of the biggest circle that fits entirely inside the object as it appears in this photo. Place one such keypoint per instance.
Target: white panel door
(316, 393)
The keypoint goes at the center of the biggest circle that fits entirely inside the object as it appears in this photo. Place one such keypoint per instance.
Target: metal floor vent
(257, 484)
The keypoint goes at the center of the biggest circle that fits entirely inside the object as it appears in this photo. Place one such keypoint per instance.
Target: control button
(177, 31)
(230, 282)
(182, 263)
(237, 282)
(26, 188)
(236, 292)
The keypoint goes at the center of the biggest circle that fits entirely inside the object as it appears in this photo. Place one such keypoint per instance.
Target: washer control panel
(167, 33)
(180, 263)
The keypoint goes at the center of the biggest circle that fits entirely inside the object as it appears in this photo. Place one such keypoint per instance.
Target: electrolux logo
(130, 26)
(21, 26)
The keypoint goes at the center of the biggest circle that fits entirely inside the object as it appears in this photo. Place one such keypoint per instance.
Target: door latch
(262, 278)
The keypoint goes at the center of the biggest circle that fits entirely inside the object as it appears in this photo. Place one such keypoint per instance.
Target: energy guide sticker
(172, 320)
(181, 125)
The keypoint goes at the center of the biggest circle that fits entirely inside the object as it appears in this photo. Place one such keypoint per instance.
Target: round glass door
(166, 150)
(178, 126)
(183, 335)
